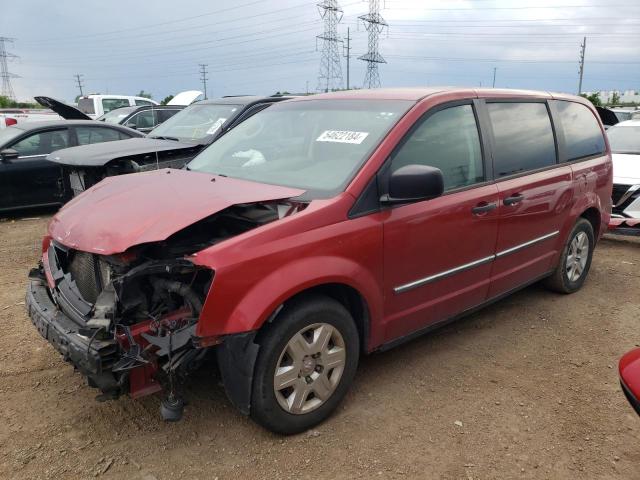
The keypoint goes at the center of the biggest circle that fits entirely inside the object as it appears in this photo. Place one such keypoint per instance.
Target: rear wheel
(575, 261)
(307, 361)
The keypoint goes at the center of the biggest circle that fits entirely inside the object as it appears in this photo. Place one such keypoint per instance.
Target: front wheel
(308, 358)
(575, 261)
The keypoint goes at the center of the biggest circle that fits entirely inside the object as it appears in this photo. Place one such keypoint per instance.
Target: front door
(32, 179)
(438, 253)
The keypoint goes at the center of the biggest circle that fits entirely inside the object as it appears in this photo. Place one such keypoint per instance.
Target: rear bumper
(92, 358)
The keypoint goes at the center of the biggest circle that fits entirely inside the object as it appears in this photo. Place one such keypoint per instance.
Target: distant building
(628, 96)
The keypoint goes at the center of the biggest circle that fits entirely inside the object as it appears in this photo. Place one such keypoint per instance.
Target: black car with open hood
(171, 144)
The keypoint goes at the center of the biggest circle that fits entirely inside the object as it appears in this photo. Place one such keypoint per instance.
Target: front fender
(220, 317)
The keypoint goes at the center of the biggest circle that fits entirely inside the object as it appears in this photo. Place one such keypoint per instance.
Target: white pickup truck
(97, 105)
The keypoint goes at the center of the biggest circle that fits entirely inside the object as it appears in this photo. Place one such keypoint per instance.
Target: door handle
(483, 208)
(512, 200)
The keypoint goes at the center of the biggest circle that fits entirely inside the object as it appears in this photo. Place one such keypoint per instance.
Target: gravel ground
(526, 388)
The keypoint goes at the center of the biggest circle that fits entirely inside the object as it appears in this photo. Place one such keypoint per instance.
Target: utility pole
(347, 49)
(7, 89)
(203, 77)
(79, 82)
(494, 77)
(583, 48)
(330, 74)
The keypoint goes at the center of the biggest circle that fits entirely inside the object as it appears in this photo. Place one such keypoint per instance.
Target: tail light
(10, 121)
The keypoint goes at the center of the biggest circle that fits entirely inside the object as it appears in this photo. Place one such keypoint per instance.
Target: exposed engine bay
(131, 317)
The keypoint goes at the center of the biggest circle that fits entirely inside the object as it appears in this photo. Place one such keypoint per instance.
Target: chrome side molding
(467, 266)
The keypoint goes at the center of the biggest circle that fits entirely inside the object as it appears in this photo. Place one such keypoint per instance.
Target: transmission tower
(7, 89)
(330, 75)
(375, 24)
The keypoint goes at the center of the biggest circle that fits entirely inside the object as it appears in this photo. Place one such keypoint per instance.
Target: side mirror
(131, 125)
(8, 154)
(413, 183)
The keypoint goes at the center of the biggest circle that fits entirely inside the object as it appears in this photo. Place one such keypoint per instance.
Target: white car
(97, 105)
(624, 139)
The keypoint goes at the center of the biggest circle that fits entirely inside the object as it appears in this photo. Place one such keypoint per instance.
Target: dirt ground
(526, 388)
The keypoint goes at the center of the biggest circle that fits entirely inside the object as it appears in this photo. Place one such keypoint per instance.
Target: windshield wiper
(175, 139)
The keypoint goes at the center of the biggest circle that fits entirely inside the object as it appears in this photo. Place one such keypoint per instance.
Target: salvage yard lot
(526, 388)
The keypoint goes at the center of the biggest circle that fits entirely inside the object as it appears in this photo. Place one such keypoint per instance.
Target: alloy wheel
(577, 256)
(309, 368)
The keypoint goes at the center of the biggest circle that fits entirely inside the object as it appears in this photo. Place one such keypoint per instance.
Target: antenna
(330, 74)
(7, 89)
(374, 24)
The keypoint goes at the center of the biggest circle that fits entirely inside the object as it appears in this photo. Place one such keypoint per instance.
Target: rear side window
(447, 140)
(165, 114)
(143, 102)
(88, 135)
(582, 134)
(85, 105)
(523, 137)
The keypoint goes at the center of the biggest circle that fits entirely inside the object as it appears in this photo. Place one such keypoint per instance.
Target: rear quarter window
(582, 134)
(523, 137)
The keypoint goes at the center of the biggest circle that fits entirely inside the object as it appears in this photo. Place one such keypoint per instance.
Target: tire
(565, 279)
(312, 381)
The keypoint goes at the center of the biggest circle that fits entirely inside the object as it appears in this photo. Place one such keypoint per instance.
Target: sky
(263, 46)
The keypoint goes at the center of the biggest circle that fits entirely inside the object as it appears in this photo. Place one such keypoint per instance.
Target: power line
(330, 74)
(7, 88)
(79, 82)
(583, 48)
(203, 77)
(374, 24)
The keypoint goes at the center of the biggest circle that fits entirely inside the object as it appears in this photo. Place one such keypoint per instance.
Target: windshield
(116, 116)
(624, 139)
(195, 123)
(315, 145)
(9, 133)
(85, 105)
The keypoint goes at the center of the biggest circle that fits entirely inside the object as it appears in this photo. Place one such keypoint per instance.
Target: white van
(97, 105)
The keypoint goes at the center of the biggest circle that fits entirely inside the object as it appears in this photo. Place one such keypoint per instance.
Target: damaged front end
(127, 321)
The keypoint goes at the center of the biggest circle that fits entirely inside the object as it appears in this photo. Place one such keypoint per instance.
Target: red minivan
(320, 229)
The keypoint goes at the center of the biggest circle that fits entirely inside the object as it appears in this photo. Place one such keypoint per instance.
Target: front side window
(116, 116)
(314, 145)
(523, 137)
(109, 104)
(42, 143)
(88, 135)
(165, 114)
(582, 134)
(624, 139)
(447, 140)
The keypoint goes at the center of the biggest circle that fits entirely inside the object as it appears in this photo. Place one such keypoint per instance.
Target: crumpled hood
(626, 168)
(99, 154)
(129, 210)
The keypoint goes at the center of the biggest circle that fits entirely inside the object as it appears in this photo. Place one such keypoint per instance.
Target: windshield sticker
(342, 136)
(216, 125)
